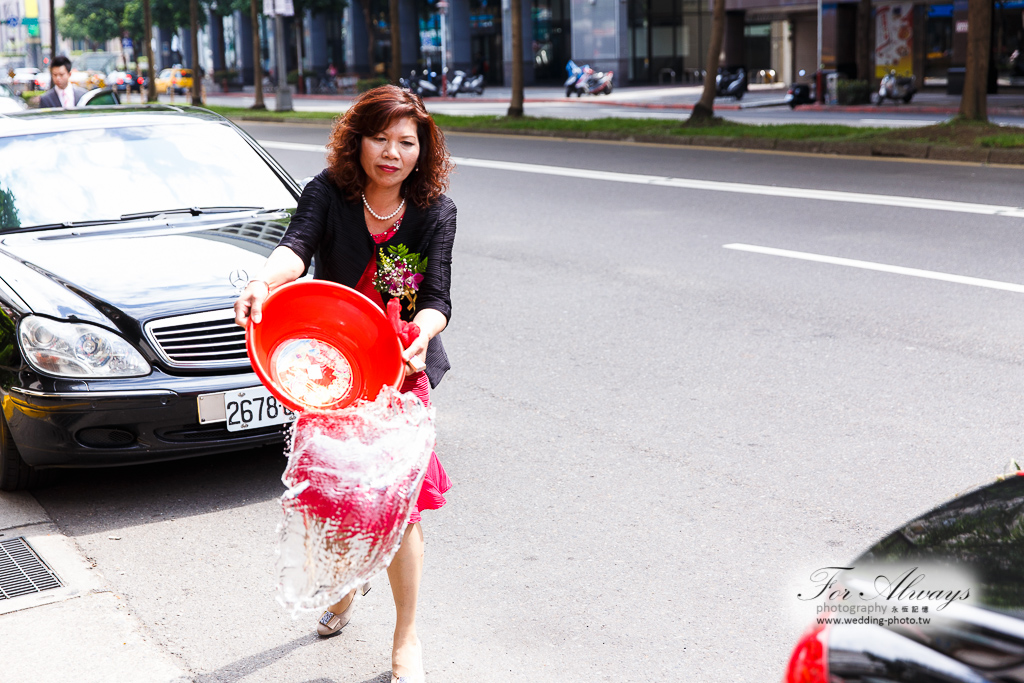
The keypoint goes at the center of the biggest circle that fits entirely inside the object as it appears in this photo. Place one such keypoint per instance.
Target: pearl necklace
(377, 215)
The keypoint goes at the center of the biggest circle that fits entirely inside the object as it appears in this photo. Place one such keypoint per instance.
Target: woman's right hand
(250, 303)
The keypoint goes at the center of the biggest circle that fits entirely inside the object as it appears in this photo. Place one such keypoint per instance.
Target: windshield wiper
(195, 211)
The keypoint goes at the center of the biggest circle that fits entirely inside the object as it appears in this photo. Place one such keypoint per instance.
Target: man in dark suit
(63, 93)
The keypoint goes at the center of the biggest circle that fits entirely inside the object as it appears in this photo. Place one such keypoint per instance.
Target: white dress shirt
(66, 96)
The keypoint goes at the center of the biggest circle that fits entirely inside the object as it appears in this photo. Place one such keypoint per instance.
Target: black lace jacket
(333, 230)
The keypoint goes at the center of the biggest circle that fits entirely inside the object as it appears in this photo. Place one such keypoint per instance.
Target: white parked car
(10, 101)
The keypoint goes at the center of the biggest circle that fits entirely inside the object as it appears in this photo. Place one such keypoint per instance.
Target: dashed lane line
(881, 267)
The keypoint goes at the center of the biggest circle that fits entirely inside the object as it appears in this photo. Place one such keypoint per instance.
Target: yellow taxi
(177, 80)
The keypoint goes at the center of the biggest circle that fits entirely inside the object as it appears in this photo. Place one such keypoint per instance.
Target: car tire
(15, 473)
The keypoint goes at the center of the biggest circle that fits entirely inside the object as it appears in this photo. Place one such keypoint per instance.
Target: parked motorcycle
(895, 87)
(463, 83)
(585, 81)
(729, 83)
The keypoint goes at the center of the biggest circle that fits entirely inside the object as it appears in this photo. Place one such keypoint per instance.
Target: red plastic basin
(321, 345)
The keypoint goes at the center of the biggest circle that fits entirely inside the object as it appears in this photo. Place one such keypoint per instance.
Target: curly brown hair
(373, 112)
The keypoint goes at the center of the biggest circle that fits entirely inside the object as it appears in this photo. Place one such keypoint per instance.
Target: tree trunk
(147, 18)
(515, 107)
(257, 56)
(300, 82)
(864, 26)
(220, 60)
(974, 103)
(396, 41)
(197, 81)
(371, 38)
(705, 109)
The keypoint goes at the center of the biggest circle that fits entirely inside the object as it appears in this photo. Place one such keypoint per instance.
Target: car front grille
(199, 340)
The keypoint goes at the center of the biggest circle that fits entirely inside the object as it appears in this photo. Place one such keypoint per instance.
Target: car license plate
(254, 407)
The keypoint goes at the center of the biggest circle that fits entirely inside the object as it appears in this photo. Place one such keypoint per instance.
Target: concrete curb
(107, 644)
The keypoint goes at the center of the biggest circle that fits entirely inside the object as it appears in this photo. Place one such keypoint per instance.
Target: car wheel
(15, 473)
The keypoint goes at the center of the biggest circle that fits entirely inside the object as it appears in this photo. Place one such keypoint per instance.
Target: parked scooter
(799, 94)
(585, 81)
(426, 84)
(895, 87)
(463, 83)
(729, 83)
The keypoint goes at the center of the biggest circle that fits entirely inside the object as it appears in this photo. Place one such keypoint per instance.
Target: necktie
(69, 97)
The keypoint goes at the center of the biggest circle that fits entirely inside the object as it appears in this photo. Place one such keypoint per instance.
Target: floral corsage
(399, 273)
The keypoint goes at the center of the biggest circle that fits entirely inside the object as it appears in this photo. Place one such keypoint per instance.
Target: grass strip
(615, 126)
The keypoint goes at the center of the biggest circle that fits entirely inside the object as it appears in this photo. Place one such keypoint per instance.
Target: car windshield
(104, 173)
(95, 61)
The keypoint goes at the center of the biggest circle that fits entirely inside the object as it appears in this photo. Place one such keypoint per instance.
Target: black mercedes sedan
(126, 234)
(939, 600)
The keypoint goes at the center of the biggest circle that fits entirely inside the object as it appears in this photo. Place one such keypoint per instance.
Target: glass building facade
(667, 40)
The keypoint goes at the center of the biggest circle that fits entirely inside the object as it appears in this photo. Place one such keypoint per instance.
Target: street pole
(197, 82)
(442, 8)
(53, 32)
(283, 98)
(819, 93)
(147, 19)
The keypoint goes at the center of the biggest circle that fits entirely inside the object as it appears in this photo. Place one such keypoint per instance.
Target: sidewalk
(83, 631)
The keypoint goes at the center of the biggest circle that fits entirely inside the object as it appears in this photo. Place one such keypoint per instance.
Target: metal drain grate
(22, 571)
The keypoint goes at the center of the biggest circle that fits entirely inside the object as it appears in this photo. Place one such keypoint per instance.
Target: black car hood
(143, 272)
(981, 534)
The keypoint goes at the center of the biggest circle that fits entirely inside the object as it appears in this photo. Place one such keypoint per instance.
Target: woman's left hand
(417, 354)
(431, 323)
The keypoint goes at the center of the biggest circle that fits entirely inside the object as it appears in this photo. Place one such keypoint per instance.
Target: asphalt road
(653, 439)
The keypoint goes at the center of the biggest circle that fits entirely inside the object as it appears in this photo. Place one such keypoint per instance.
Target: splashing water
(353, 477)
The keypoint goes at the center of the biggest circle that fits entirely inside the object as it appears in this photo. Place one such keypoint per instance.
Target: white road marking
(904, 123)
(881, 267)
(293, 146)
(713, 185)
(745, 188)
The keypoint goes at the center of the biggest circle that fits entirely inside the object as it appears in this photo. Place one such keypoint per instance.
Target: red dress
(435, 482)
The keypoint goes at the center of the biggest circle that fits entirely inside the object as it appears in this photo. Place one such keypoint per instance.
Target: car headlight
(78, 350)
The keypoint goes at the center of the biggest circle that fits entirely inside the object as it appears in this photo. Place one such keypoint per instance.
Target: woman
(376, 213)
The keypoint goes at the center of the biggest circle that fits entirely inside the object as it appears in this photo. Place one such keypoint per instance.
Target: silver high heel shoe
(330, 624)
